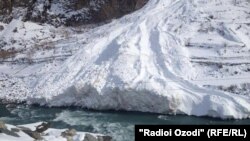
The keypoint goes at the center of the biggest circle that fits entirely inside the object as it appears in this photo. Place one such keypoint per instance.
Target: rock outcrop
(67, 12)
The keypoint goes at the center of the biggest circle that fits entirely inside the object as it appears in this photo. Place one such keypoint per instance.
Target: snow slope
(173, 57)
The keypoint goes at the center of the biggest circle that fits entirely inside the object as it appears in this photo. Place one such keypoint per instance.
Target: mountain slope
(173, 57)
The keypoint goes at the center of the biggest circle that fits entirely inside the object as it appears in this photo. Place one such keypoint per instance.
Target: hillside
(67, 12)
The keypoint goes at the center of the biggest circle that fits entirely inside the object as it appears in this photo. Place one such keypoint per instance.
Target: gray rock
(69, 138)
(8, 132)
(2, 125)
(33, 134)
(15, 30)
(43, 127)
(104, 138)
(69, 132)
(15, 130)
(24, 128)
(89, 137)
(1, 28)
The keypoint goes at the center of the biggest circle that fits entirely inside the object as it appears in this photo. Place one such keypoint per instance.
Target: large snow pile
(174, 57)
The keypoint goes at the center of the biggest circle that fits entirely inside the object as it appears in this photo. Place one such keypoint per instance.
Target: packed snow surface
(172, 56)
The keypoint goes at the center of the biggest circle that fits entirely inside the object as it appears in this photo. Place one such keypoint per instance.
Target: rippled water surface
(119, 125)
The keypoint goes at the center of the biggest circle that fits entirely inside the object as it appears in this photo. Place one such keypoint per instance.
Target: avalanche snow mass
(172, 56)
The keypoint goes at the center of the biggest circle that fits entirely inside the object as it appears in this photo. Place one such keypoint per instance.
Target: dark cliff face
(67, 12)
(118, 8)
(6, 6)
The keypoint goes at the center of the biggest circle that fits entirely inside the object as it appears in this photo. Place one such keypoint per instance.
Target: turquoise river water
(119, 125)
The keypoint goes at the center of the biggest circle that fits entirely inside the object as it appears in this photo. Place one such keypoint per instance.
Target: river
(119, 125)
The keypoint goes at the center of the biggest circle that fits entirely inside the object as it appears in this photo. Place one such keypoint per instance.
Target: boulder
(15, 130)
(90, 137)
(43, 127)
(33, 134)
(2, 125)
(69, 138)
(104, 138)
(69, 132)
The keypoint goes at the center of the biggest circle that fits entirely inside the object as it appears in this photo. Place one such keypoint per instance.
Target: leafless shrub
(4, 54)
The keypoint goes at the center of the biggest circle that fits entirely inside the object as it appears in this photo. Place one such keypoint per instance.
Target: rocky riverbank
(43, 132)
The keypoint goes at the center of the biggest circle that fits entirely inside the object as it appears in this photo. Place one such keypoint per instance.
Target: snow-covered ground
(173, 57)
(49, 135)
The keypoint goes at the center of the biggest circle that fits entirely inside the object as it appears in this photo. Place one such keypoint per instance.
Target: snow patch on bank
(49, 135)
